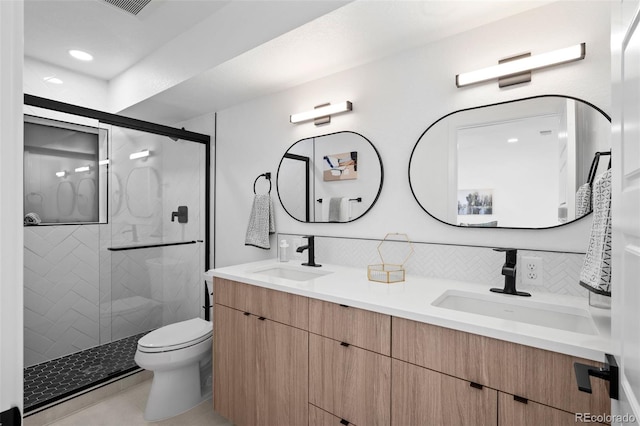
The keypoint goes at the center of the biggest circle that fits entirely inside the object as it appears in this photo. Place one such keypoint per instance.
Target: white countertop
(413, 298)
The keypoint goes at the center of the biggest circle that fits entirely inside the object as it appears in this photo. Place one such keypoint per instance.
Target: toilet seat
(176, 336)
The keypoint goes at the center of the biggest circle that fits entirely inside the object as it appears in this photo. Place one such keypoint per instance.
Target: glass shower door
(154, 250)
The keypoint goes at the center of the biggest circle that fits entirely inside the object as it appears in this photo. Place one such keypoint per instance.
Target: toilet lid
(176, 336)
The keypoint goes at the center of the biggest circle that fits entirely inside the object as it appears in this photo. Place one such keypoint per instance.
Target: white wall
(395, 100)
(77, 89)
(11, 53)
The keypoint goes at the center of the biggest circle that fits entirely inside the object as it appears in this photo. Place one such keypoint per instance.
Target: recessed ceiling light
(512, 140)
(52, 79)
(80, 55)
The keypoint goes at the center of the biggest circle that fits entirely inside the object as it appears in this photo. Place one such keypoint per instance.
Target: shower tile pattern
(482, 265)
(61, 290)
(56, 379)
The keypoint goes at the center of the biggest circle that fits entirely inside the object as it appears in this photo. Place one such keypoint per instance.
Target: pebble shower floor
(60, 378)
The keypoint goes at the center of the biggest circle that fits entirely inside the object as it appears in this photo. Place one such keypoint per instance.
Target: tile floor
(127, 408)
(52, 380)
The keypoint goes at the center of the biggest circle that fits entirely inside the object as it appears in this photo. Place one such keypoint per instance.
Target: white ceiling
(207, 55)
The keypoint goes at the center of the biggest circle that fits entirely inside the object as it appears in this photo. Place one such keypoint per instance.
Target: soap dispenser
(284, 252)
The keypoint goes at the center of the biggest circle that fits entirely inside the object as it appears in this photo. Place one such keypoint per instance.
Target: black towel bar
(359, 199)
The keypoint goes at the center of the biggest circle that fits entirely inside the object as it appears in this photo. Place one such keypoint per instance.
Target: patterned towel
(596, 269)
(261, 222)
(583, 200)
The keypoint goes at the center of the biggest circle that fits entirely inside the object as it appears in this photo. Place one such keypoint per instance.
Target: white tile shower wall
(61, 291)
(483, 265)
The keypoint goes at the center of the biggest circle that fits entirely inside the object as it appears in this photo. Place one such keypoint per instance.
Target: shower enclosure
(116, 226)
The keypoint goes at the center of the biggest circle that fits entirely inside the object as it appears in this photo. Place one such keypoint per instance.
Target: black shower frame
(145, 126)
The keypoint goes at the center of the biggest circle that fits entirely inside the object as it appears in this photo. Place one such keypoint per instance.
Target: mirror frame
(329, 134)
(485, 106)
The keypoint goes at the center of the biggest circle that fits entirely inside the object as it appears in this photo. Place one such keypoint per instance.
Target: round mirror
(330, 178)
(521, 164)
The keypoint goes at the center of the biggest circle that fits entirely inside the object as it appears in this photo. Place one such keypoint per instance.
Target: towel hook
(267, 176)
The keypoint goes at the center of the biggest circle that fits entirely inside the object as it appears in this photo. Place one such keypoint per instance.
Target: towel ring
(267, 176)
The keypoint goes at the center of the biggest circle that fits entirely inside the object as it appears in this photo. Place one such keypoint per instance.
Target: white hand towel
(339, 209)
(261, 222)
(583, 200)
(596, 269)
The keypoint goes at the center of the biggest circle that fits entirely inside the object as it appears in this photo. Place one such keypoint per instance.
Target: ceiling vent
(130, 6)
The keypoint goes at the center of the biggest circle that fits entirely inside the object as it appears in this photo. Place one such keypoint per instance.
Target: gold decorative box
(393, 253)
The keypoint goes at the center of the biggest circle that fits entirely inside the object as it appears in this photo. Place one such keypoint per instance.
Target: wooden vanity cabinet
(282, 359)
(537, 375)
(260, 366)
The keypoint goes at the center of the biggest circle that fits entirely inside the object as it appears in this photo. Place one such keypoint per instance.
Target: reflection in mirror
(330, 178)
(143, 192)
(518, 164)
(63, 180)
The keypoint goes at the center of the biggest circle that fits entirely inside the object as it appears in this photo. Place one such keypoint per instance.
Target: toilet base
(173, 392)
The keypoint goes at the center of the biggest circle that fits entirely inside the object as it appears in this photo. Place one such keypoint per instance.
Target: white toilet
(179, 355)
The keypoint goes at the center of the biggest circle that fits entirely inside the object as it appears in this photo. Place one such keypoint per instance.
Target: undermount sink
(526, 311)
(291, 272)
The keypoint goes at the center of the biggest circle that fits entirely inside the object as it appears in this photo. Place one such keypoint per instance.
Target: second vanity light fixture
(322, 113)
(140, 154)
(522, 64)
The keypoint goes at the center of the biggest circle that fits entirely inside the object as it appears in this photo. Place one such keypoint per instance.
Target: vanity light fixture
(522, 64)
(82, 169)
(141, 154)
(104, 162)
(61, 174)
(512, 140)
(81, 55)
(321, 114)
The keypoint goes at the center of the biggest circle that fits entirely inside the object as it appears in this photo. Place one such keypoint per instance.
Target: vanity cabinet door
(282, 373)
(359, 327)
(260, 370)
(275, 305)
(234, 355)
(425, 397)
(351, 383)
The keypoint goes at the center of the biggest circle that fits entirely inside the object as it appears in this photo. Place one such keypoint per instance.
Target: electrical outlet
(531, 270)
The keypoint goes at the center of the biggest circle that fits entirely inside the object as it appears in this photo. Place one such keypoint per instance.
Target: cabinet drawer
(278, 306)
(425, 397)
(365, 329)
(351, 383)
(318, 417)
(535, 374)
(513, 412)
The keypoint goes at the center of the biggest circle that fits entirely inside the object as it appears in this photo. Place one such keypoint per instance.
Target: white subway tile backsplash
(482, 265)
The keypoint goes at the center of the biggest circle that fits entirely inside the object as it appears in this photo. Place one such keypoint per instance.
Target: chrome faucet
(509, 271)
(311, 247)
